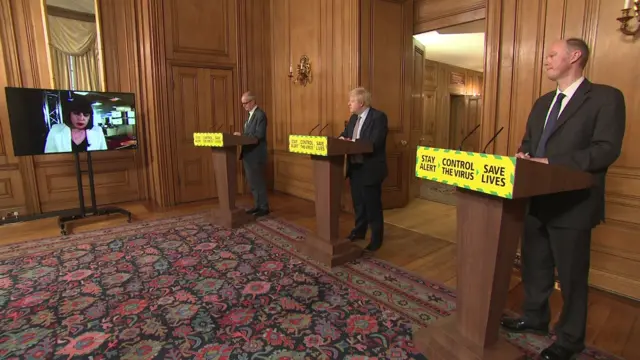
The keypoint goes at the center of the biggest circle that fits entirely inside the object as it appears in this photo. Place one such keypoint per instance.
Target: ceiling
(460, 45)
(83, 6)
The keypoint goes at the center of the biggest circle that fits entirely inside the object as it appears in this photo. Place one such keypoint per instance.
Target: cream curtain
(74, 47)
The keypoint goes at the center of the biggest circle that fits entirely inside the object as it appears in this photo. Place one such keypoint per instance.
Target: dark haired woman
(77, 134)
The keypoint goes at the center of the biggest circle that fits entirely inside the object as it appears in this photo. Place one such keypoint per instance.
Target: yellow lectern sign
(308, 144)
(208, 139)
(486, 173)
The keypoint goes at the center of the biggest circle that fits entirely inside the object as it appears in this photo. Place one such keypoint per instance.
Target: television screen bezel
(135, 102)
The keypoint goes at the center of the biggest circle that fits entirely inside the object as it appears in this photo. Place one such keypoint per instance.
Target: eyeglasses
(246, 102)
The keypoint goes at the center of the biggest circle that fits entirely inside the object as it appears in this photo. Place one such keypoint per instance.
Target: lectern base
(231, 219)
(330, 254)
(443, 341)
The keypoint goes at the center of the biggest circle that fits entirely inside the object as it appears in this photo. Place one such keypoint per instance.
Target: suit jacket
(375, 130)
(588, 137)
(59, 139)
(257, 128)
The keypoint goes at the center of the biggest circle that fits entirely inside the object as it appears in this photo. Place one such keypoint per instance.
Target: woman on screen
(77, 134)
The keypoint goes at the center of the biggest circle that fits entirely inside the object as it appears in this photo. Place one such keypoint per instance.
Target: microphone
(466, 137)
(492, 139)
(324, 127)
(313, 129)
(219, 127)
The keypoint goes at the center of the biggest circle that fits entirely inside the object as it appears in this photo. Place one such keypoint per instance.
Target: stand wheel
(129, 218)
(63, 231)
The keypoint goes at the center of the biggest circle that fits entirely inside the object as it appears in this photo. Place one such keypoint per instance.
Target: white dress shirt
(250, 115)
(361, 119)
(568, 94)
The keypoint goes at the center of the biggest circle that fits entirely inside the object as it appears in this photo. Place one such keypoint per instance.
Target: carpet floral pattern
(182, 288)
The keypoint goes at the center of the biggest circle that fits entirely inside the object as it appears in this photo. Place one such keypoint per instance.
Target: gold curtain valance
(70, 36)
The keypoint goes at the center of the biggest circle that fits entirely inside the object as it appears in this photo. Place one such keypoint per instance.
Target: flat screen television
(45, 121)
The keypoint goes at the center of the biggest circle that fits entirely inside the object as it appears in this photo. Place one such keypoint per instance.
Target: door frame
(473, 11)
(397, 194)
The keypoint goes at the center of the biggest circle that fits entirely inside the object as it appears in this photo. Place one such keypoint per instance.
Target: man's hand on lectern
(522, 155)
(237, 133)
(540, 160)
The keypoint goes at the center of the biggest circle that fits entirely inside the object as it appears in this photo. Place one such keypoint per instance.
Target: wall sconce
(630, 5)
(303, 71)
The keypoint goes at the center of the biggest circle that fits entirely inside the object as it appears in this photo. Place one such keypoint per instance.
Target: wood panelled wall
(441, 81)
(182, 59)
(341, 37)
(187, 64)
(198, 58)
(518, 32)
(327, 32)
(47, 183)
(436, 14)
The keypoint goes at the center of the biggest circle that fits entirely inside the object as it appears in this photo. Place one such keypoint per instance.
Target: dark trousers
(367, 204)
(254, 172)
(568, 250)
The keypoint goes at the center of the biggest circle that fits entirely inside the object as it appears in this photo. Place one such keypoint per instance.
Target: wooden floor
(422, 241)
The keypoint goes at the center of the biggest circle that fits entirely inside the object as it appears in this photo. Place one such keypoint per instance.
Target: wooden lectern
(328, 157)
(488, 230)
(225, 149)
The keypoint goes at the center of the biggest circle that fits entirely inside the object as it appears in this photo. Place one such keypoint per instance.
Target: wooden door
(464, 116)
(416, 137)
(474, 115)
(458, 122)
(202, 102)
(386, 70)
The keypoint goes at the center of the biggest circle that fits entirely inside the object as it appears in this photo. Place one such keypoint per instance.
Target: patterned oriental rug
(181, 288)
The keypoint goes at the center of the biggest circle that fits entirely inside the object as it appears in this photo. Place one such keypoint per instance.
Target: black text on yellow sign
(308, 144)
(486, 173)
(208, 139)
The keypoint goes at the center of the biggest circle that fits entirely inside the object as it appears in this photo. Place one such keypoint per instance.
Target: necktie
(357, 158)
(550, 126)
(356, 129)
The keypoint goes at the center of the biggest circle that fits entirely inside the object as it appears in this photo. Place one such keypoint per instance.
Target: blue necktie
(549, 127)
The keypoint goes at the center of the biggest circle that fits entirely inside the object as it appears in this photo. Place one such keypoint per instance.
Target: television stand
(81, 212)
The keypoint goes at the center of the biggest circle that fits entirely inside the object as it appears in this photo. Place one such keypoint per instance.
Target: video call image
(66, 121)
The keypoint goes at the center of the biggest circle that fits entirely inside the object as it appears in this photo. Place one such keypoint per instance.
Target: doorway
(446, 110)
(451, 92)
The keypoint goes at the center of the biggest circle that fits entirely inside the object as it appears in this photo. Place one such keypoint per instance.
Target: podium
(224, 148)
(492, 195)
(328, 157)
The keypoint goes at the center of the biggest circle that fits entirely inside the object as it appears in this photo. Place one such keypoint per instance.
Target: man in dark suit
(254, 157)
(580, 125)
(366, 172)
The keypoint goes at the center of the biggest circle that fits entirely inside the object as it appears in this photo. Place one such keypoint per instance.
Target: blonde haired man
(367, 172)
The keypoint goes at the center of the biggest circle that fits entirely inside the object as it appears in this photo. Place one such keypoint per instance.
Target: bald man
(579, 125)
(254, 157)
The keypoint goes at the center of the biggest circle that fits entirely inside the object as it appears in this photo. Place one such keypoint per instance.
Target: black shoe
(558, 352)
(354, 237)
(261, 212)
(519, 325)
(373, 247)
(252, 210)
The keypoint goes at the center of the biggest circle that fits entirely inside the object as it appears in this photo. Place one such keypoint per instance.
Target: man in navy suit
(366, 172)
(254, 156)
(579, 125)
